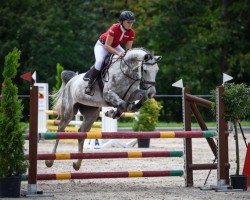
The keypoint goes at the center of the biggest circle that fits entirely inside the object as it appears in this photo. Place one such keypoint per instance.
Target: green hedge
(148, 116)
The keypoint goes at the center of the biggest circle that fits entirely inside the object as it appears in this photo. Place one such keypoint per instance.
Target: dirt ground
(138, 188)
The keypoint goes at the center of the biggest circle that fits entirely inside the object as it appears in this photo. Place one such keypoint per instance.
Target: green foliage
(59, 69)
(12, 159)
(148, 117)
(236, 101)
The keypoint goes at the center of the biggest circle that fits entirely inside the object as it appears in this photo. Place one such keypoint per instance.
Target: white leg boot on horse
(93, 76)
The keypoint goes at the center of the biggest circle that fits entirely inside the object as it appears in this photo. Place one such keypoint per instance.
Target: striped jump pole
(98, 175)
(107, 155)
(52, 112)
(124, 114)
(128, 114)
(125, 135)
(57, 122)
(69, 129)
(52, 126)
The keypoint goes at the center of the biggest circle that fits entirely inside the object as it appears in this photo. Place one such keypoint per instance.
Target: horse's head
(143, 67)
(149, 69)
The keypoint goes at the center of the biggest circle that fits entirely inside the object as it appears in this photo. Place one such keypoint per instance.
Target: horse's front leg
(140, 95)
(116, 101)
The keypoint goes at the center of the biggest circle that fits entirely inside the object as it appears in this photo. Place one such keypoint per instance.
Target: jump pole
(98, 175)
(108, 155)
(124, 135)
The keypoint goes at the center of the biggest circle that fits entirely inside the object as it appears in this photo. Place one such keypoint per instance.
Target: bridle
(143, 82)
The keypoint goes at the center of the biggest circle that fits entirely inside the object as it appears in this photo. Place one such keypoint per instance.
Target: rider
(110, 42)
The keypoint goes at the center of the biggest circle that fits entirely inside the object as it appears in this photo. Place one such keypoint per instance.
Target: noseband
(143, 81)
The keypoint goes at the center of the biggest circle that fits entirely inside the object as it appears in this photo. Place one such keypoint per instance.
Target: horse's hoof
(76, 167)
(123, 106)
(116, 115)
(109, 113)
(131, 107)
(49, 163)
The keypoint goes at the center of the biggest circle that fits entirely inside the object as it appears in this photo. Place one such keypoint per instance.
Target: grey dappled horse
(129, 82)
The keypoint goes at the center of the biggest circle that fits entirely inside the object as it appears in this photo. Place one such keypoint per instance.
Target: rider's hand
(121, 54)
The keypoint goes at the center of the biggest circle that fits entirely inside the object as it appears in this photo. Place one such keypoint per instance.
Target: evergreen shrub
(12, 158)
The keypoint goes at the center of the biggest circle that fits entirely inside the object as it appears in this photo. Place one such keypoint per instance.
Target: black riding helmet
(127, 15)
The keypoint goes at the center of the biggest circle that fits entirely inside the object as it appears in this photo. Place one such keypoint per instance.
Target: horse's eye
(147, 57)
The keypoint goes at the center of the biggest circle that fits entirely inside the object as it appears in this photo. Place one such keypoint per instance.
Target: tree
(236, 101)
(12, 158)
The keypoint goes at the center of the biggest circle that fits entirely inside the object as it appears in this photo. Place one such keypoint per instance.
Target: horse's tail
(57, 97)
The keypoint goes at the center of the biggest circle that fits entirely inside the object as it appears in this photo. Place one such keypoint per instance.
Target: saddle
(105, 67)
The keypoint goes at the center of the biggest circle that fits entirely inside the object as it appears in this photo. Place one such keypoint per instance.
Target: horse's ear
(158, 58)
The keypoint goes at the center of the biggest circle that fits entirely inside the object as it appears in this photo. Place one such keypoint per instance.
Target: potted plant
(236, 101)
(12, 158)
(147, 120)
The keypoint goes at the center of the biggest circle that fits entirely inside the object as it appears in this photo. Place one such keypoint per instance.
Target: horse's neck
(124, 71)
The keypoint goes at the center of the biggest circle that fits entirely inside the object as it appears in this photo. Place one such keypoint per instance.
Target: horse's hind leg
(90, 114)
(66, 118)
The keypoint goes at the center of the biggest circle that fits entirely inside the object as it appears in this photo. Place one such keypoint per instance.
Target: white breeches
(101, 53)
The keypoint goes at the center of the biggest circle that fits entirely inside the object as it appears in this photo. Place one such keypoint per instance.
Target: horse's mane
(140, 48)
(135, 54)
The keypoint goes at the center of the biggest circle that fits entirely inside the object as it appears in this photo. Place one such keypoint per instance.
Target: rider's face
(127, 24)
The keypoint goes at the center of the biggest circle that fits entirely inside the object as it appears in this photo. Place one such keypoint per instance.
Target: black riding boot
(88, 74)
(93, 76)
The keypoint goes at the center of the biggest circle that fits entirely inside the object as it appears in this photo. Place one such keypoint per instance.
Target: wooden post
(186, 109)
(33, 134)
(223, 166)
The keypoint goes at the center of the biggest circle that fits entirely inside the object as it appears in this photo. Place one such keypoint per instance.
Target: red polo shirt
(120, 35)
